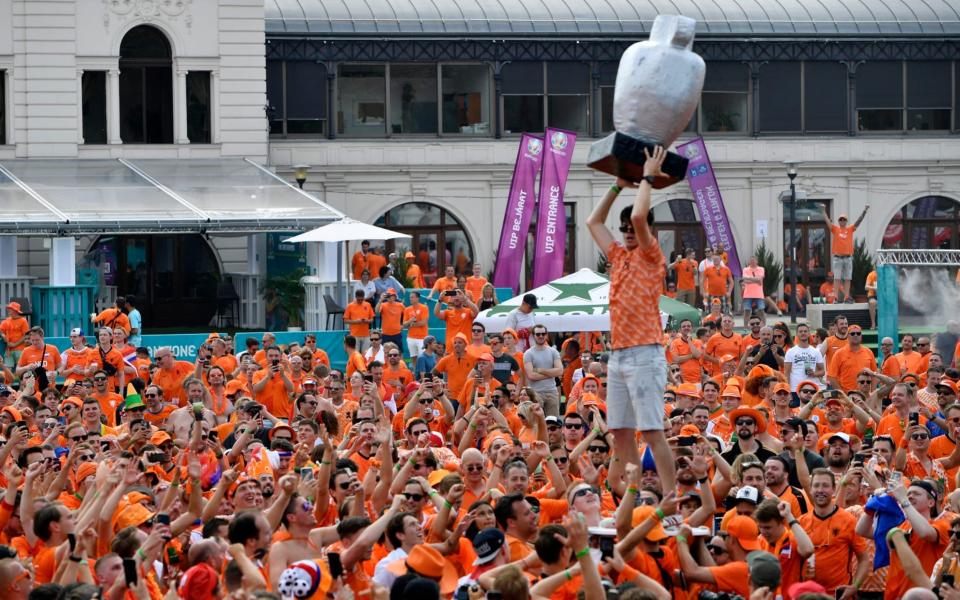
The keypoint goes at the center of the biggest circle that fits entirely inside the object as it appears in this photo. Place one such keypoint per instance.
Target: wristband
(549, 458)
(75, 559)
(632, 490)
(792, 523)
(411, 461)
(704, 480)
(141, 554)
(432, 493)
(659, 514)
(568, 574)
(325, 462)
(616, 189)
(448, 504)
(583, 552)
(597, 430)
(682, 539)
(473, 425)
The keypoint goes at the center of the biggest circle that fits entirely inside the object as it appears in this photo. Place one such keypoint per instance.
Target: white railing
(315, 309)
(252, 312)
(14, 287)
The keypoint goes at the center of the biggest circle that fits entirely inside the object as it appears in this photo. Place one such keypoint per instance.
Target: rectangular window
(275, 110)
(724, 99)
(465, 96)
(3, 107)
(608, 79)
(94, 102)
(568, 96)
(780, 97)
(523, 93)
(928, 95)
(880, 96)
(199, 105)
(362, 100)
(824, 97)
(413, 99)
(305, 98)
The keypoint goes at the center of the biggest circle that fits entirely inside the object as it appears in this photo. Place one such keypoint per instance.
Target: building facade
(410, 116)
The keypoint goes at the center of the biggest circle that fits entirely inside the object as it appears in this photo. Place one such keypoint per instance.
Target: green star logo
(575, 290)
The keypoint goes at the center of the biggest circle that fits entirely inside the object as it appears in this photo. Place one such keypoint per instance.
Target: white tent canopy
(347, 230)
(577, 302)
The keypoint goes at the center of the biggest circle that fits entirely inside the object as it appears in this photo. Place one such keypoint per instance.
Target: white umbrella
(345, 230)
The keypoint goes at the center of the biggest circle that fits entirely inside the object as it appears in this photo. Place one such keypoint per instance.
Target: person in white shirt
(803, 361)
(521, 320)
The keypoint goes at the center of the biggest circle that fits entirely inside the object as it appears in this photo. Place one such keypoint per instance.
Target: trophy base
(621, 155)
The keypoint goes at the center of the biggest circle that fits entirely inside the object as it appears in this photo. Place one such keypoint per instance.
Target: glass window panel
(724, 111)
(780, 96)
(568, 78)
(880, 119)
(198, 107)
(466, 99)
(233, 189)
(306, 97)
(928, 84)
(17, 206)
(928, 119)
(275, 96)
(131, 105)
(198, 268)
(726, 77)
(522, 113)
(3, 107)
(606, 109)
(568, 112)
(414, 214)
(608, 73)
(413, 99)
(94, 89)
(880, 85)
(144, 42)
(361, 100)
(100, 190)
(825, 96)
(458, 252)
(943, 237)
(956, 91)
(522, 78)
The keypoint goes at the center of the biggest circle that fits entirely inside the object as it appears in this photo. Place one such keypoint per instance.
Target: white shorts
(636, 379)
(414, 346)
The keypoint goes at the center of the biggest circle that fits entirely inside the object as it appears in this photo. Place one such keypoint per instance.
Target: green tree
(772, 268)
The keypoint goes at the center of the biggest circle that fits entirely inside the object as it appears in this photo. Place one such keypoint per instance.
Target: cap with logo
(487, 545)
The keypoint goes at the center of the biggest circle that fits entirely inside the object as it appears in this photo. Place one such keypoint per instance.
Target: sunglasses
(857, 333)
(745, 422)
(79, 438)
(99, 378)
(50, 425)
(597, 449)
(426, 400)
(540, 334)
(393, 356)
(344, 486)
(572, 426)
(945, 392)
(553, 428)
(807, 391)
(477, 330)
(474, 468)
(374, 339)
(419, 433)
(647, 501)
(561, 460)
(714, 549)
(922, 345)
(414, 497)
(151, 395)
(148, 523)
(919, 437)
(584, 491)
(626, 229)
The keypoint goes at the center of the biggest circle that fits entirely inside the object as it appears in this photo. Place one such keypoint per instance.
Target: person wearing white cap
(77, 359)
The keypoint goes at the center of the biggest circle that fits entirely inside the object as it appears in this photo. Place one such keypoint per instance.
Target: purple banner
(516, 219)
(550, 245)
(706, 193)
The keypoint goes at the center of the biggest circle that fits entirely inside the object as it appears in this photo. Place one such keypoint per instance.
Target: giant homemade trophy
(658, 88)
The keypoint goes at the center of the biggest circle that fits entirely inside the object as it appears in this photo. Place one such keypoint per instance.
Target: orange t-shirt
(841, 240)
(732, 577)
(443, 284)
(910, 361)
(686, 270)
(374, 262)
(390, 315)
(474, 285)
(457, 370)
(836, 542)
(894, 426)
(690, 370)
(108, 405)
(636, 284)
(171, 382)
(358, 264)
(871, 280)
(112, 358)
(15, 328)
(458, 320)
(48, 357)
(355, 311)
(45, 565)
(892, 367)
(786, 551)
(928, 553)
(716, 280)
(274, 396)
(74, 358)
(415, 275)
(356, 362)
(719, 345)
(113, 318)
(847, 364)
(419, 312)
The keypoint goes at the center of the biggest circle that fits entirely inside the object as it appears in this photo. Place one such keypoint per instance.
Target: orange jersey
(458, 320)
(15, 330)
(391, 314)
(418, 312)
(927, 552)
(355, 311)
(835, 542)
(636, 284)
(686, 271)
(457, 371)
(274, 396)
(48, 357)
(846, 364)
(715, 279)
(690, 369)
(475, 285)
(841, 240)
(171, 382)
(718, 345)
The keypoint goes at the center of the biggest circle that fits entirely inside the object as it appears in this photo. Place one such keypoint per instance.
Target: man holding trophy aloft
(658, 87)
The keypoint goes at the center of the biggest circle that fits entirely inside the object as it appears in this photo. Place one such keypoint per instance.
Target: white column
(215, 106)
(63, 261)
(253, 254)
(8, 256)
(80, 106)
(113, 100)
(180, 107)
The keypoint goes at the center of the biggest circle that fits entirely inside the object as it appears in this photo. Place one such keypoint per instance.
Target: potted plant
(285, 294)
(772, 269)
(862, 265)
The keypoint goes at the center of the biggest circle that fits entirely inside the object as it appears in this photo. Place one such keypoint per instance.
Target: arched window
(677, 223)
(928, 222)
(146, 87)
(431, 228)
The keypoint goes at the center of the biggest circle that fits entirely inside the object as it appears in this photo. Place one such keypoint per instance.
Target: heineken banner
(516, 219)
(706, 193)
(550, 245)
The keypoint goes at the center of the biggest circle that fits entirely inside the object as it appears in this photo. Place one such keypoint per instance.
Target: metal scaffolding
(919, 258)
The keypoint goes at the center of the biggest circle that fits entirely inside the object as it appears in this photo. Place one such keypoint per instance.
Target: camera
(708, 595)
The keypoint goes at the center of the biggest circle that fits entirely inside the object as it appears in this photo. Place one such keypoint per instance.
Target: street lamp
(300, 174)
(791, 166)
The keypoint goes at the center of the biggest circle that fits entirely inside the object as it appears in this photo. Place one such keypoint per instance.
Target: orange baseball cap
(160, 437)
(408, 254)
(854, 328)
(428, 562)
(781, 387)
(133, 515)
(716, 301)
(689, 430)
(72, 400)
(950, 385)
(486, 357)
(461, 336)
(641, 514)
(730, 392)
(746, 532)
(13, 412)
(807, 383)
(688, 389)
(727, 358)
(234, 386)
